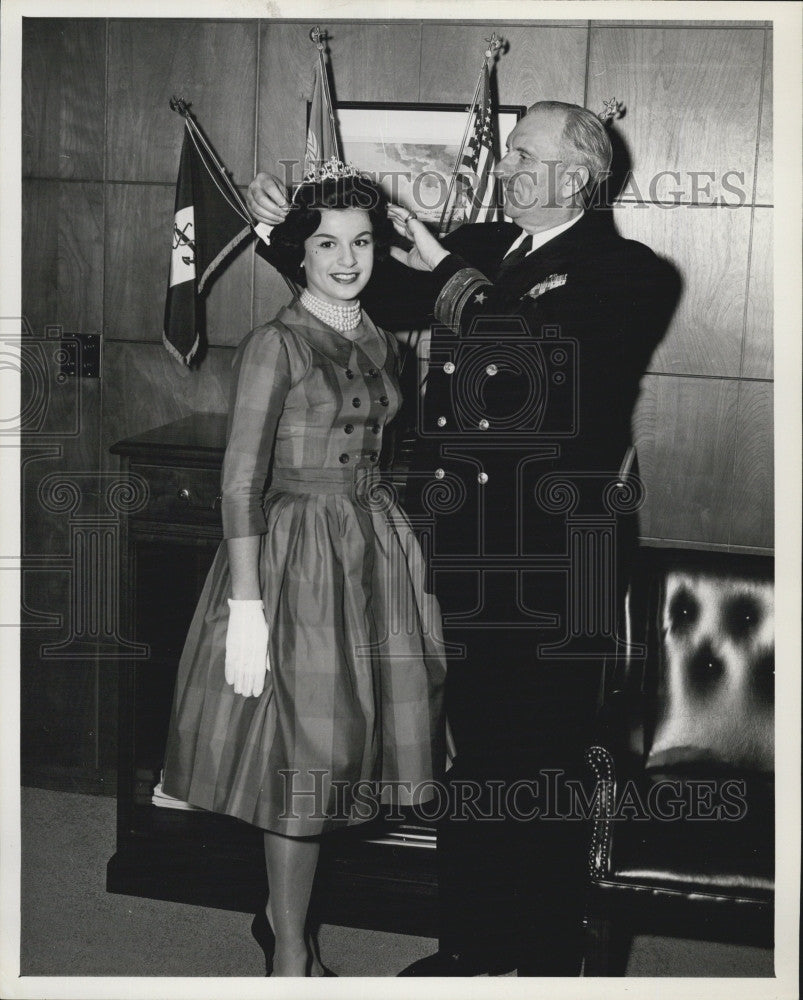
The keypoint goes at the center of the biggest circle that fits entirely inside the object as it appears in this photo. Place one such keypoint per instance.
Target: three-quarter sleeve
(260, 386)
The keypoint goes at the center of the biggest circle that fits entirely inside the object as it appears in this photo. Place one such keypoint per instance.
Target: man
(543, 328)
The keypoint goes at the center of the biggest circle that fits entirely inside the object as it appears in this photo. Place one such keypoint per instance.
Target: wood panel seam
(747, 288)
(588, 64)
(735, 458)
(709, 377)
(420, 56)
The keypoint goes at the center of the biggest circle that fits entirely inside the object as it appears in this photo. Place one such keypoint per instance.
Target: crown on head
(332, 169)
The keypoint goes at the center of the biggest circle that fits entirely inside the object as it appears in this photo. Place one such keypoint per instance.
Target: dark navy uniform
(517, 492)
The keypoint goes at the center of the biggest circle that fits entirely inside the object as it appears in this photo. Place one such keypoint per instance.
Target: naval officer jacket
(534, 371)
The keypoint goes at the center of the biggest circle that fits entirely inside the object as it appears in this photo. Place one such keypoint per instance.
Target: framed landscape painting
(411, 149)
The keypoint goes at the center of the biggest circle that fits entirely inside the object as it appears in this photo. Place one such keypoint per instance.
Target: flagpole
(461, 150)
(319, 38)
(181, 107)
(494, 44)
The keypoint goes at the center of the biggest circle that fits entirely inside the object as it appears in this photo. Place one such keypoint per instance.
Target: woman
(313, 661)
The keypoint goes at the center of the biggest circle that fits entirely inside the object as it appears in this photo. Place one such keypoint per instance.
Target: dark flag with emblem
(475, 182)
(209, 223)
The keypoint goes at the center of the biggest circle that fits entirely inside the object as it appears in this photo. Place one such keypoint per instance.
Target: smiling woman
(339, 257)
(356, 215)
(299, 701)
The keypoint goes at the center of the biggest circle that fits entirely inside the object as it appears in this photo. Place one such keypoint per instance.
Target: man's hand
(267, 200)
(427, 253)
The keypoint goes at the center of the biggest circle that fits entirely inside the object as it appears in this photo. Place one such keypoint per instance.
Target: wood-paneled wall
(100, 155)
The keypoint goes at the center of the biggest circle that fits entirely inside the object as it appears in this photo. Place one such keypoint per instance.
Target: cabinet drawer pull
(184, 495)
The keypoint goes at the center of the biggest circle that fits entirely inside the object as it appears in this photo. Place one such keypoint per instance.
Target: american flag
(476, 184)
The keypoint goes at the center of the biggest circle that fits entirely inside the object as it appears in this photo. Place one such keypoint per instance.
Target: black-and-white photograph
(391, 449)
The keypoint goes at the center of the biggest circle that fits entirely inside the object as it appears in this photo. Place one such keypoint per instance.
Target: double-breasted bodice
(304, 398)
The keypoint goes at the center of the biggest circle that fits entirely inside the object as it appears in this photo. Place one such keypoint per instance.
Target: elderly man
(543, 328)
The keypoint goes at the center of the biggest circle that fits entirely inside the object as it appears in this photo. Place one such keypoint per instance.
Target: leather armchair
(683, 831)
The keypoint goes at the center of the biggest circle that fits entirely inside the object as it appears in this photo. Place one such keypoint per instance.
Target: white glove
(247, 647)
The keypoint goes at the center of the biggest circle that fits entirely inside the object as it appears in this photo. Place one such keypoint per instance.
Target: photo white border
(786, 20)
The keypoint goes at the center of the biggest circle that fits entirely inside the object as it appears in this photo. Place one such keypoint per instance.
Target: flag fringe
(230, 246)
(184, 359)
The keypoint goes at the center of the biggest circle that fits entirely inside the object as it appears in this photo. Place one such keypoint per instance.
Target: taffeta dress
(352, 710)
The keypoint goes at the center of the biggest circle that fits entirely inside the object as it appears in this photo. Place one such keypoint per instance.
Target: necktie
(518, 255)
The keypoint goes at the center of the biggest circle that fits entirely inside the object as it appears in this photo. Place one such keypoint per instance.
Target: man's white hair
(585, 136)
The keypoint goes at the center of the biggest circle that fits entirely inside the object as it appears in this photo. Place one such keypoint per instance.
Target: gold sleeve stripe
(455, 293)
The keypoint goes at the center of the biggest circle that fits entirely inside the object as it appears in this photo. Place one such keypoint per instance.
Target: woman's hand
(267, 200)
(247, 659)
(426, 253)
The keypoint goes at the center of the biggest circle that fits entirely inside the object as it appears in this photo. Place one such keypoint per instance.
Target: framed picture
(411, 149)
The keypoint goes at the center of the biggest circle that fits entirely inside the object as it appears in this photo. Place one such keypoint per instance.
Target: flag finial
(180, 106)
(494, 45)
(320, 38)
(613, 109)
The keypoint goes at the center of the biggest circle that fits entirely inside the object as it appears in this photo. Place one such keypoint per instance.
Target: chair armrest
(602, 764)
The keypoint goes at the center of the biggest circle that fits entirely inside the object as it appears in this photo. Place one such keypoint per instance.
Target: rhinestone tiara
(332, 169)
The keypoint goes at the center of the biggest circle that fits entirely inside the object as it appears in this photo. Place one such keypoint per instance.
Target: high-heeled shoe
(264, 937)
(326, 970)
(314, 955)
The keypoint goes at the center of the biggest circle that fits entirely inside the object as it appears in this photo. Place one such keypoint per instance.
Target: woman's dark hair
(303, 219)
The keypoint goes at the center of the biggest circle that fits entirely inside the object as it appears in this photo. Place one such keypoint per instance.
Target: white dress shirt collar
(539, 239)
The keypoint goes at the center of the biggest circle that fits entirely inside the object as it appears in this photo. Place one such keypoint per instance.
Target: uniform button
(348, 428)
(356, 402)
(373, 372)
(373, 456)
(349, 373)
(441, 421)
(376, 428)
(344, 459)
(491, 370)
(482, 478)
(449, 367)
(384, 400)
(484, 425)
(439, 473)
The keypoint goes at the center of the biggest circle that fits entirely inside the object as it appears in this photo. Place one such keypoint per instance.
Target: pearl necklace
(341, 318)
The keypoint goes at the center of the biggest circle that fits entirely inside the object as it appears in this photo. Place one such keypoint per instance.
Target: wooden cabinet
(380, 875)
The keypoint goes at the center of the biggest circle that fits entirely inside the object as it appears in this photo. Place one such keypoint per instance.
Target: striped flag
(207, 226)
(476, 184)
(319, 146)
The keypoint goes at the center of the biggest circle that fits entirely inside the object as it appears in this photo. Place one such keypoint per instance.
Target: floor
(70, 925)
